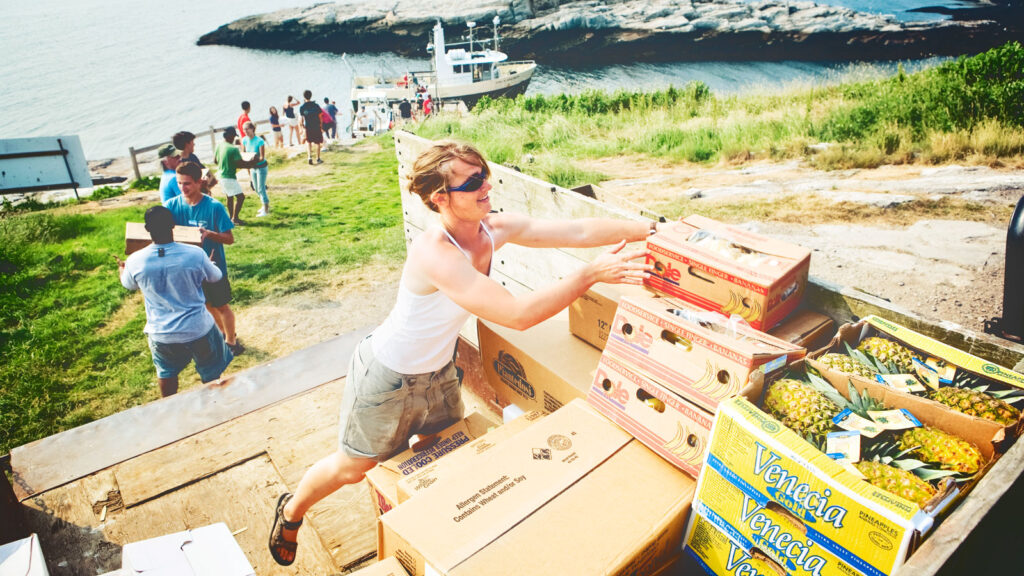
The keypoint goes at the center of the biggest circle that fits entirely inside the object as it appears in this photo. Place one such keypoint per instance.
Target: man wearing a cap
(169, 160)
(179, 327)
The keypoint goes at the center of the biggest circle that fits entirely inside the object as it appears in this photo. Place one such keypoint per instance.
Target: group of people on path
(308, 123)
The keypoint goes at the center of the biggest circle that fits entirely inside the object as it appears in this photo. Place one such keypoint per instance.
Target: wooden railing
(212, 133)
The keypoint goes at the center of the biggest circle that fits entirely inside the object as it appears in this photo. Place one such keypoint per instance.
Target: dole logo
(663, 270)
(633, 334)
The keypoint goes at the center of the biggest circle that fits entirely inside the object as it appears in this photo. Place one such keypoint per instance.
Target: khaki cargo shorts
(381, 409)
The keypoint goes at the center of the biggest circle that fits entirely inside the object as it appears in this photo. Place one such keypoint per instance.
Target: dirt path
(943, 269)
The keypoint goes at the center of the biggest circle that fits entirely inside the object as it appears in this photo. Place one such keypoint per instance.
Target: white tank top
(419, 334)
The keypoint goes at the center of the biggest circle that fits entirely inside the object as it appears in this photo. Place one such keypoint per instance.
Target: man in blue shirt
(193, 208)
(179, 327)
(169, 160)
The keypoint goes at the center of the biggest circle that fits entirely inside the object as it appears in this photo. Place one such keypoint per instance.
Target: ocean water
(123, 73)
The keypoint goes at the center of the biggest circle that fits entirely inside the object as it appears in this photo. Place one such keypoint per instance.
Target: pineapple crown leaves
(859, 402)
(965, 379)
(889, 452)
(873, 363)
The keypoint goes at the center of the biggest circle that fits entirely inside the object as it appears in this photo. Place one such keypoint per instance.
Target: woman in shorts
(292, 118)
(402, 379)
(275, 127)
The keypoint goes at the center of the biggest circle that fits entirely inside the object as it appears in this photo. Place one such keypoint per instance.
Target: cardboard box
(805, 328)
(720, 555)
(750, 448)
(136, 237)
(591, 315)
(542, 368)
(571, 494)
(728, 269)
(704, 361)
(675, 429)
(977, 430)
(386, 567)
(425, 477)
(207, 551)
(755, 525)
(23, 558)
(383, 478)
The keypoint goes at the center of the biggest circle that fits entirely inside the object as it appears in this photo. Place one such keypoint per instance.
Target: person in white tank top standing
(402, 379)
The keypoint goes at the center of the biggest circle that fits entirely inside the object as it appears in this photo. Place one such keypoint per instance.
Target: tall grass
(970, 108)
(71, 343)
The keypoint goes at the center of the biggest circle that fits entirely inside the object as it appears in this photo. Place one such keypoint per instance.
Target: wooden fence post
(213, 138)
(135, 163)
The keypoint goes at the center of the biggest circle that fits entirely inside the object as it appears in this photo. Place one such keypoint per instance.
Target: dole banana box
(979, 431)
(753, 450)
(675, 429)
(720, 555)
(755, 524)
(728, 269)
(700, 356)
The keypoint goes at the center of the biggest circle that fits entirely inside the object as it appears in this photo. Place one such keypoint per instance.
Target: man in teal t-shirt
(229, 158)
(193, 208)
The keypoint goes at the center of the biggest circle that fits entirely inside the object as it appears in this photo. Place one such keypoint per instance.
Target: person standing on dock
(402, 378)
(229, 158)
(293, 120)
(310, 113)
(180, 329)
(193, 208)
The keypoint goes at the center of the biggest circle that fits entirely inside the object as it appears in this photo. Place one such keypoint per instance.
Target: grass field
(71, 336)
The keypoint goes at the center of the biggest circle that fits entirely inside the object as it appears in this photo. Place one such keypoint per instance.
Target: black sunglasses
(472, 184)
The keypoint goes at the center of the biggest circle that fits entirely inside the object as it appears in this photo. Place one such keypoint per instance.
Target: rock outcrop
(609, 31)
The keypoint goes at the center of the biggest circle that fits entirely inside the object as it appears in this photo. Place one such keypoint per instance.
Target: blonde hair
(432, 168)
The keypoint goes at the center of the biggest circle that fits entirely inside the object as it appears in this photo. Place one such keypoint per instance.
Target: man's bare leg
(168, 386)
(321, 480)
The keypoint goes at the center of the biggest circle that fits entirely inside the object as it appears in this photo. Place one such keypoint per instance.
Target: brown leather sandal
(277, 543)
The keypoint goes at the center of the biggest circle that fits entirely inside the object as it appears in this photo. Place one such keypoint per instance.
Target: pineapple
(888, 352)
(895, 481)
(846, 365)
(976, 403)
(938, 447)
(801, 408)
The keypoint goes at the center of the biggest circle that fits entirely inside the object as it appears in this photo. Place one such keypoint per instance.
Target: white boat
(463, 73)
(372, 116)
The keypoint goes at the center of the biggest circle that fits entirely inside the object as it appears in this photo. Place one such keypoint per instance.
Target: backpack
(325, 118)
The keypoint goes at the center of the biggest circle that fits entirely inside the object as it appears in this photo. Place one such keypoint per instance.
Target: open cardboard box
(591, 315)
(570, 494)
(728, 269)
(870, 527)
(701, 356)
(981, 431)
(383, 479)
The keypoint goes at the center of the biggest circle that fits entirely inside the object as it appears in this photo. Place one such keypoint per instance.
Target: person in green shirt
(229, 159)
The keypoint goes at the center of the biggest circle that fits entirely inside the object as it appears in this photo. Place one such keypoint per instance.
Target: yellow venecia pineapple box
(754, 524)
(720, 555)
(697, 354)
(728, 269)
(754, 450)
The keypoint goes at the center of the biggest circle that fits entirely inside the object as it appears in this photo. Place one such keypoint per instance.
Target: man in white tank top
(402, 380)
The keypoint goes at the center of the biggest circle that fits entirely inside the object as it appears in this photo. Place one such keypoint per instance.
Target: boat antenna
(496, 21)
(470, 24)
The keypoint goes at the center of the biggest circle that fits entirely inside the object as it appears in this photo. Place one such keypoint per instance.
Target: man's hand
(204, 234)
(120, 264)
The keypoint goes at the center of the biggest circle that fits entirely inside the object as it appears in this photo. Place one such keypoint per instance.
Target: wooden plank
(210, 451)
(848, 305)
(346, 519)
(75, 453)
(242, 497)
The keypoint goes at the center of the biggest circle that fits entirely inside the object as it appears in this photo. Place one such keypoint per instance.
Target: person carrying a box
(402, 378)
(179, 327)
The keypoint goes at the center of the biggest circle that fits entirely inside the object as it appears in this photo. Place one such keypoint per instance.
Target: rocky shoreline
(620, 31)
